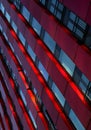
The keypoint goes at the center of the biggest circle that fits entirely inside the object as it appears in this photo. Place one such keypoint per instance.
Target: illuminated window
(77, 75)
(43, 71)
(67, 108)
(76, 25)
(75, 121)
(31, 53)
(22, 39)
(57, 51)
(58, 94)
(14, 26)
(5, 36)
(83, 83)
(23, 98)
(52, 5)
(43, 1)
(25, 13)
(0, 28)
(36, 26)
(10, 44)
(49, 42)
(32, 118)
(7, 16)
(2, 8)
(67, 63)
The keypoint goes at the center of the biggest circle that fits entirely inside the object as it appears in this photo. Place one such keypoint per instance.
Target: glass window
(52, 5)
(43, 1)
(49, 42)
(59, 10)
(79, 33)
(22, 39)
(7, 16)
(14, 26)
(36, 26)
(0, 28)
(18, 60)
(58, 94)
(50, 81)
(2, 8)
(88, 92)
(77, 75)
(25, 13)
(70, 25)
(82, 24)
(5, 36)
(43, 71)
(23, 98)
(31, 53)
(83, 83)
(76, 121)
(57, 51)
(32, 118)
(67, 108)
(72, 16)
(76, 25)
(67, 63)
(11, 46)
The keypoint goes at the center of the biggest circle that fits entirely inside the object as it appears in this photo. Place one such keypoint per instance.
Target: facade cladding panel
(45, 59)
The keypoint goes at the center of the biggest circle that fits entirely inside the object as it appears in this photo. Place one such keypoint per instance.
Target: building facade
(45, 65)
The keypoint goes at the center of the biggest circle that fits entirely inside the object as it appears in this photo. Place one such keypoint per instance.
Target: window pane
(58, 15)
(53, 2)
(58, 94)
(43, 71)
(70, 25)
(23, 98)
(14, 26)
(31, 53)
(67, 63)
(33, 120)
(82, 24)
(7, 16)
(49, 42)
(72, 16)
(76, 121)
(2, 8)
(79, 33)
(26, 13)
(60, 7)
(10, 44)
(43, 1)
(22, 39)
(36, 26)
(84, 83)
(52, 9)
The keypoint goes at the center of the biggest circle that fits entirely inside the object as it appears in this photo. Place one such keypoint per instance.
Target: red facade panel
(54, 73)
(50, 106)
(66, 42)
(61, 125)
(78, 106)
(43, 57)
(83, 61)
(36, 83)
(88, 17)
(40, 124)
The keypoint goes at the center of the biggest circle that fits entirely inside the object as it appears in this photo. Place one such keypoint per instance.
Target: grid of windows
(76, 25)
(51, 44)
(58, 95)
(65, 61)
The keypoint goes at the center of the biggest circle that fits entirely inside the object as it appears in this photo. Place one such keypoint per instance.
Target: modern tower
(45, 64)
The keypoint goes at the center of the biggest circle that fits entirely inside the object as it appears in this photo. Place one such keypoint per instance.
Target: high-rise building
(45, 64)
